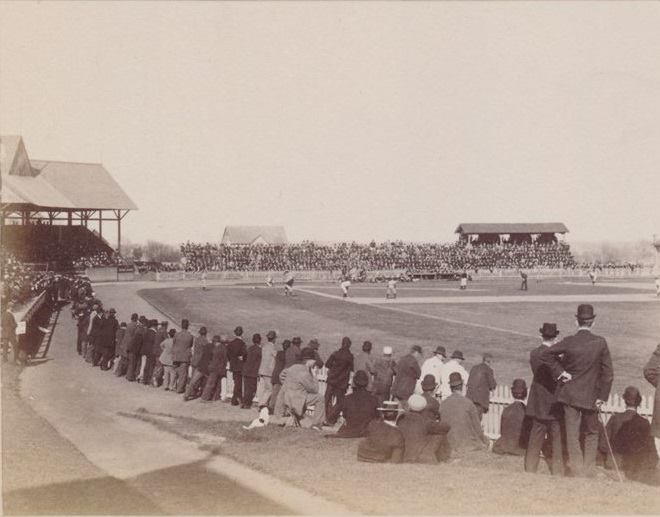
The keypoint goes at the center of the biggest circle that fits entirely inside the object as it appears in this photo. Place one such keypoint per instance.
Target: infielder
(391, 289)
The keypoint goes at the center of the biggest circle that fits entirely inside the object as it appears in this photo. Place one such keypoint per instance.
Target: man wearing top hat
(585, 376)
(481, 382)
(543, 408)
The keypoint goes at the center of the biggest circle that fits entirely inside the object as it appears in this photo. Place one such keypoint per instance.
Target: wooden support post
(101, 223)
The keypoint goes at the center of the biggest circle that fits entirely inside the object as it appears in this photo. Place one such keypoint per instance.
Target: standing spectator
(277, 370)
(181, 354)
(434, 365)
(481, 382)
(94, 348)
(149, 352)
(465, 433)
(384, 368)
(314, 346)
(107, 340)
(133, 349)
(167, 360)
(9, 332)
(407, 372)
(425, 440)
(358, 409)
(217, 370)
(251, 371)
(585, 370)
(161, 335)
(514, 425)
(201, 357)
(543, 408)
(340, 365)
(82, 324)
(652, 374)
(127, 340)
(454, 365)
(292, 354)
(119, 341)
(363, 361)
(266, 368)
(236, 354)
(384, 442)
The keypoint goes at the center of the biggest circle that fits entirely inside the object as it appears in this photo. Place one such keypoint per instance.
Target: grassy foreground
(480, 483)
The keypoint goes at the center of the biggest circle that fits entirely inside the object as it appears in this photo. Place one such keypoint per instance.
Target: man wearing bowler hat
(543, 408)
(582, 365)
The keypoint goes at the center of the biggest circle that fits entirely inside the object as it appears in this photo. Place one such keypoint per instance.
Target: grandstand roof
(254, 235)
(509, 228)
(54, 184)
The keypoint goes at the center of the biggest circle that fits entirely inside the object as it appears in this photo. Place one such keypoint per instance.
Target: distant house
(248, 235)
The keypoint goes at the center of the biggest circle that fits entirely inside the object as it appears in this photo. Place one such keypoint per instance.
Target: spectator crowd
(406, 409)
(441, 258)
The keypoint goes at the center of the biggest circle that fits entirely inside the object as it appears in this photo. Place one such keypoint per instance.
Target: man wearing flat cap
(582, 365)
(481, 382)
(543, 408)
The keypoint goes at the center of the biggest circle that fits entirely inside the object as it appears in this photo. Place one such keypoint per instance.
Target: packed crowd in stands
(405, 409)
(19, 282)
(443, 258)
(61, 247)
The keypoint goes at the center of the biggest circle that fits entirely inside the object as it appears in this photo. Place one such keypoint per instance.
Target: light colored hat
(387, 350)
(416, 402)
(390, 405)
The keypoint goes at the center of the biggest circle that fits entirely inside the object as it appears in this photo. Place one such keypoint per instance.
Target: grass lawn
(478, 483)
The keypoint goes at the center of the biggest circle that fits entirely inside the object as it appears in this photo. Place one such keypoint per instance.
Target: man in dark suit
(340, 365)
(407, 371)
(236, 354)
(127, 338)
(149, 351)
(359, 408)
(107, 338)
(585, 375)
(251, 371)
(181, 355)
(480, 383)
(543, 408)
(135, 350)
(514, 424)
(95, 336)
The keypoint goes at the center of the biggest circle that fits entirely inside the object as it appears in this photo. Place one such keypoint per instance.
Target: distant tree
(161, 252)
(137, 253)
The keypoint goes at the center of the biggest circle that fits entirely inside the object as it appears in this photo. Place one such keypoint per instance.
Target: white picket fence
(500, 398)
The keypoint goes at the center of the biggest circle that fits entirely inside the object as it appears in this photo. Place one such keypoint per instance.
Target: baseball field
(491, 315)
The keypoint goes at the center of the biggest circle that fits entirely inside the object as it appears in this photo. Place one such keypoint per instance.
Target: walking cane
(609, 445)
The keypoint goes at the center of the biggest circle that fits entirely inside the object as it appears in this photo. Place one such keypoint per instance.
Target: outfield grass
(632, 329)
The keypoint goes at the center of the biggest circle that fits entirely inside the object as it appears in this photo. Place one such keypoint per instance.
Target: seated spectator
(384, 443)
(299, 391)
(465, 433)
(632, 442)
(425, 440)
(514, 425)
(359, 408)
(429, 386)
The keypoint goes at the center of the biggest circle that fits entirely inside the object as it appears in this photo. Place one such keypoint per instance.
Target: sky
(347, 121)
